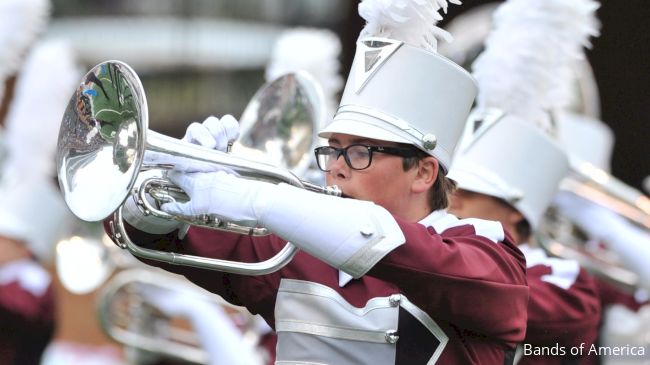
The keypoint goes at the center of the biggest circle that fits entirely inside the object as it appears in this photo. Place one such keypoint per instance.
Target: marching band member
(317, 52)
(625, 320)
(508, 166)
(32, 212)
(384, 275)
(216, 331)
(313, 50)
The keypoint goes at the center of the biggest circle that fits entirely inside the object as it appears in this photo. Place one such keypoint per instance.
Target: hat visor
(361, 129)
(469, 181)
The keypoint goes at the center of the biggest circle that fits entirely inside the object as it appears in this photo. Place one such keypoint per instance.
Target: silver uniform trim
(379, 54)
(320, 290)
(416, 136)
(430, 324)
(519, 353)
(329, 331)
(370, 253)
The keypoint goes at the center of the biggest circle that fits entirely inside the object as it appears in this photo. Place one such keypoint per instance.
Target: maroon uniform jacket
(610, 294)
(564, 310)
(27, 312)
(472, 286)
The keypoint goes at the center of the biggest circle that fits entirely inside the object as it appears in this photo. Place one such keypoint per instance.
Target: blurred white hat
(21, 21)
(509, 148)
(33, 212)
(315, 51)
(399, 89)
(586, 139)
(511, 159)
(48, 79)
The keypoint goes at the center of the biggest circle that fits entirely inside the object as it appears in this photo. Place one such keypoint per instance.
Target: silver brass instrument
(563, 238)
(103, 139)
(265, 133)
(595, 184)
(130, 319)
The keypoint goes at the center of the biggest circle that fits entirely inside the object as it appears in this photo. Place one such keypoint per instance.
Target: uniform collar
(440, 220)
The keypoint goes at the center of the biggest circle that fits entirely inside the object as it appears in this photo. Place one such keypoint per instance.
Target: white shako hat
(509, 148)
(399, 89)
(586, 139)
(313, 50)
(511, 159)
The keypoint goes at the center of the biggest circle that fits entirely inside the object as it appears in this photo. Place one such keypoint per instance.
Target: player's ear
(426, 174)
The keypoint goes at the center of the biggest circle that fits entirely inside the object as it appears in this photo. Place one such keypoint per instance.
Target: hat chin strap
(7, 97)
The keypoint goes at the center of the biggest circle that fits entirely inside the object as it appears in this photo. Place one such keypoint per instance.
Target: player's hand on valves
(220, 194)
(213, 133)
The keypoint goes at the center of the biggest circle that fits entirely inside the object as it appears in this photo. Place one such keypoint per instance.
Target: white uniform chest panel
(316, 325)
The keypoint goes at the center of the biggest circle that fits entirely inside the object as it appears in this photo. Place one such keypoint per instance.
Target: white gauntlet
(349, 234)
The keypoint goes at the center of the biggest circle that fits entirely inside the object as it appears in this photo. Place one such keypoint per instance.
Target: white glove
(220, 194)
(217, 333)
(213, 133)
(348, 234)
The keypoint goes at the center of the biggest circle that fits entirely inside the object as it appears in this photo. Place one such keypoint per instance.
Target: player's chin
(345, 193)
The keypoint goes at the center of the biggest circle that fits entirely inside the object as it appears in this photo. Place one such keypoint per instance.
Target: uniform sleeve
(611, 294)
(257, 293)
(473, 281)
(564, 305)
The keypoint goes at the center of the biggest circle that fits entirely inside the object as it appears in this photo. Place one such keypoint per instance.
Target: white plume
(410, 21)
(21, 21)
(315, 51)
(529, 56)
(45, 85)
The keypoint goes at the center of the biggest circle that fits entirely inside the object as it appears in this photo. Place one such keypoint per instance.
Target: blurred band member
(508, 165)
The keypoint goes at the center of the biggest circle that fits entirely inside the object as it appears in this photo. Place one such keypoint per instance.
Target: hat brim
(361, 129)
(475, 182)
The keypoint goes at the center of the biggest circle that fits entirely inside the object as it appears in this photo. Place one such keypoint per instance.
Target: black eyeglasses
(357, 156)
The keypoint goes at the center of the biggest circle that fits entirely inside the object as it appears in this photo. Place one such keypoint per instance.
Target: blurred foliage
(178, 98)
